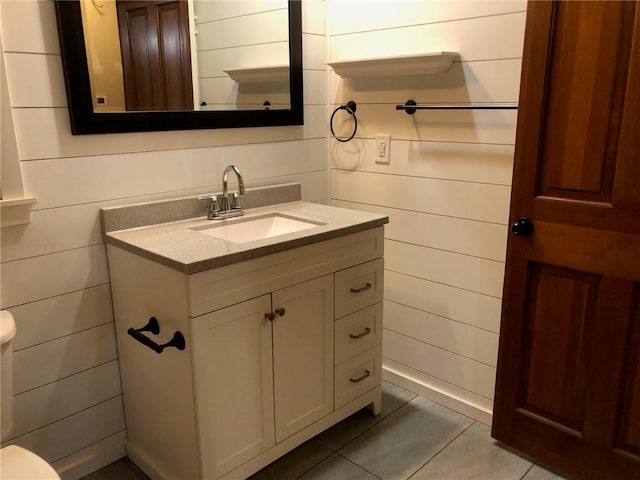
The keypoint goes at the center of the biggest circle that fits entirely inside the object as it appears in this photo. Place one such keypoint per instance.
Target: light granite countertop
(176, 245)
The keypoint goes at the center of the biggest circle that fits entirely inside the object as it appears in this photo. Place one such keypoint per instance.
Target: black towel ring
(350, 107)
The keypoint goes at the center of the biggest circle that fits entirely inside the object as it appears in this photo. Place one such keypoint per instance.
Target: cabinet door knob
(280, 311)
(270, 316)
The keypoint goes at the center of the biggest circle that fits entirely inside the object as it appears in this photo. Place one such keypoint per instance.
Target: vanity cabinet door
(303, 354)
(233, 373)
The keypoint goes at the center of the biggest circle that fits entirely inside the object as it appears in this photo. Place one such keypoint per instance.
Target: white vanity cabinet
(262, 376)
(278, 348)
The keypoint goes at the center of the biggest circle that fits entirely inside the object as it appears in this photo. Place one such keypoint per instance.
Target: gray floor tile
(403, 442)
(393, 397)
(337, 468)
(538, 472)
(295, 463)
(116, 471)
(474, 455)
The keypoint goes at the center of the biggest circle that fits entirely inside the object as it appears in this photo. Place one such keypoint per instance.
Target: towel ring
(350, 107)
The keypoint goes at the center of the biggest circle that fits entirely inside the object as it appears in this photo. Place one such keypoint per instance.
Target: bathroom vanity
(282, 332)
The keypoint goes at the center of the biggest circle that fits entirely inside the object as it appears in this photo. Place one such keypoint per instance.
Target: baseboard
(92, 458)
(422, 387)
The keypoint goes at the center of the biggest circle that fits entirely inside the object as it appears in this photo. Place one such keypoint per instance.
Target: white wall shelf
(421, 64)
(272, 73)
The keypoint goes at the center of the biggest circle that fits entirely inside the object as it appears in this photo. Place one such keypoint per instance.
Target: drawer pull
(366, 374)
(361, 289)
(366, 332)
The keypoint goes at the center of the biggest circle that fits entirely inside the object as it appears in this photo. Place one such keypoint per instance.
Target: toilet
(16, 463)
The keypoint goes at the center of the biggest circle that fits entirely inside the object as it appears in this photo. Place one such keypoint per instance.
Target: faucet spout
(225, 180)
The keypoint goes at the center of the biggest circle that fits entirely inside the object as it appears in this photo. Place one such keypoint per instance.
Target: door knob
(522, 226)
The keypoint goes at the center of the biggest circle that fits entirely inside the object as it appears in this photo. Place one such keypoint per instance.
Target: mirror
(216, 82)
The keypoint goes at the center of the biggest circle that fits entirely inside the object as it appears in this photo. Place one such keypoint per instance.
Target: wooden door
(233, 376)
(303, 355)
(156, 54)
(568, 380)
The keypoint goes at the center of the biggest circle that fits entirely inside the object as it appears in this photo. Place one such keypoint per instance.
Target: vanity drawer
(358, 332)
(358, 375)
(359, 287)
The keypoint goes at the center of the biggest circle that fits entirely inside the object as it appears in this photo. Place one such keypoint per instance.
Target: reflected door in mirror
(156, 54)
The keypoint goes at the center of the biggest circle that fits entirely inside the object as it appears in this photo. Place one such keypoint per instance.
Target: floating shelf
(426, 63)
(272, 73)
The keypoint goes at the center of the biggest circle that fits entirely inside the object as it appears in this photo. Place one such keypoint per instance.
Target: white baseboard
(92, 458)
(421, 386)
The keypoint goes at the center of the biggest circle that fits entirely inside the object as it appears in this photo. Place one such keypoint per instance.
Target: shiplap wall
(231, 35)
(446, 189)
(68, 404)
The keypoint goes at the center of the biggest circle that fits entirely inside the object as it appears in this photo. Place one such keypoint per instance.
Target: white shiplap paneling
(447, 187)
(55, 401)
(51, 361)
(469, 237)
(54, 271)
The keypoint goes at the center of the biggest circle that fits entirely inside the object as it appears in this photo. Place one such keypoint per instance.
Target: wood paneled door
(156, 54)
(568, 380)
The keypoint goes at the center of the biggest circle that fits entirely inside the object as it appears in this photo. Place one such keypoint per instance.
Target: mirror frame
(85, 121)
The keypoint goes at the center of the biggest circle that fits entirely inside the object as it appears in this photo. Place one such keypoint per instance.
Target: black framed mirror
(86, 120)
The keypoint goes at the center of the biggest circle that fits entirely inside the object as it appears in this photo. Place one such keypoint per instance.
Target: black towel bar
(153, 327)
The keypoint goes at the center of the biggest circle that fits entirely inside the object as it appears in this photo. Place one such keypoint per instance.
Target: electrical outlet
(383, 147)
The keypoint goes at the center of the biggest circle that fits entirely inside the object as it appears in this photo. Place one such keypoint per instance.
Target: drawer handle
(366, 374)
(366, 332)
(361, 289)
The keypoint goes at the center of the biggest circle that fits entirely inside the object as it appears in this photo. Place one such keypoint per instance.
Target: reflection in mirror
(187, 54)
(135, 65)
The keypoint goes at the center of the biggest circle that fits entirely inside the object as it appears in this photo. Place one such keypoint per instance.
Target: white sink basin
(249, 229)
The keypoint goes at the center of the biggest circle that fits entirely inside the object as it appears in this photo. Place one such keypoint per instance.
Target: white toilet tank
(16, 463)
(7, 332)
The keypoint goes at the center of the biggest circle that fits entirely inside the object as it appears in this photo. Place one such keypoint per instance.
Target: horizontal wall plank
(474, 201)
(52, 230)
(490, 81)
(463, 306)
(482, 38)
(313, 17)
(56, 317)
(445, 393)
(458, 126)
(266, 27)
(470, 237)
(49, 91)
(55, 139)
(71, 434)
(52, 402)
(453, 269)
(211, 63)
(456, 337)
(107, 177)
(54, 360)
(87, 460)
(51, 275)
(469, 162)
(212, 11)
(29, 26)
(378, 14)
(461, 371)
(314, 52)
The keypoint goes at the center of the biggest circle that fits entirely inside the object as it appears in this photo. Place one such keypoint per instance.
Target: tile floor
(413, 438)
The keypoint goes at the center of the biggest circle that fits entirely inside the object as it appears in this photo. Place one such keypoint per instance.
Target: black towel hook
(350, 107)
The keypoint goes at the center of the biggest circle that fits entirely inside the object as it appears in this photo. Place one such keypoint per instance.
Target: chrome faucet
(228, 205)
